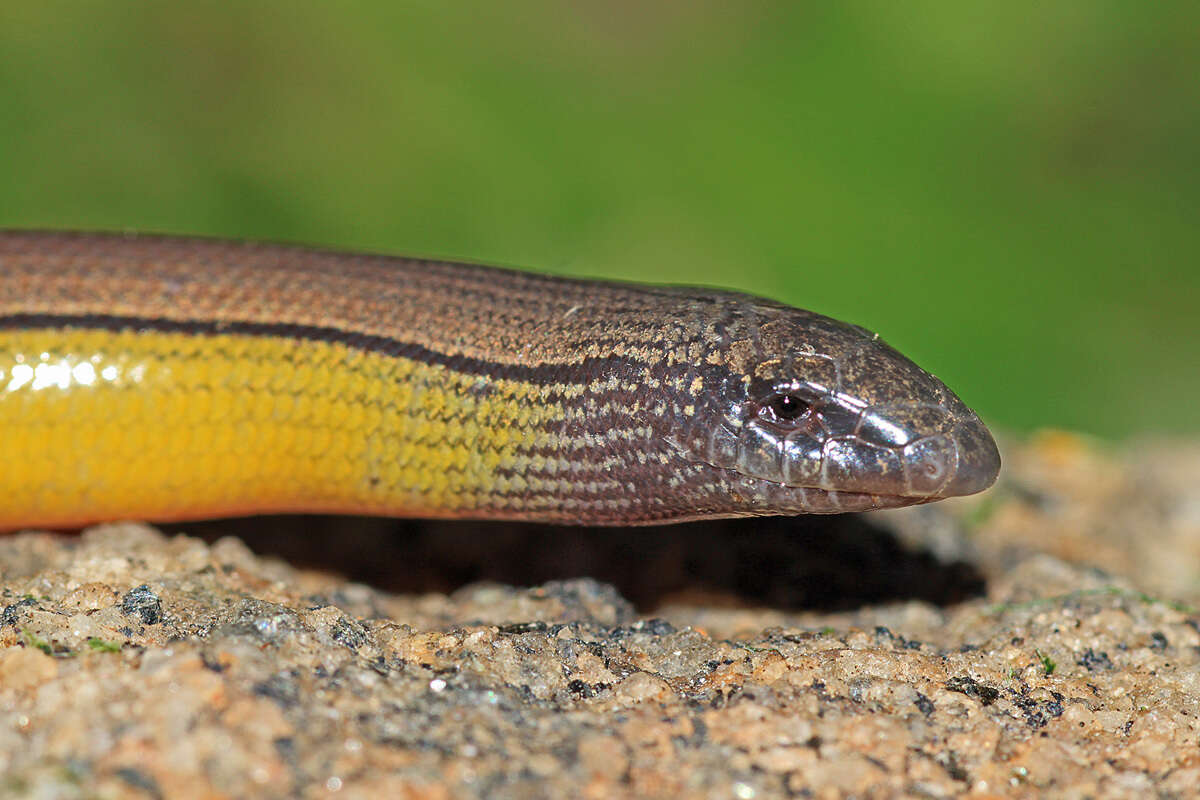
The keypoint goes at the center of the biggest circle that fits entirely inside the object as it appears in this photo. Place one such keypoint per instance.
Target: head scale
(792, 411)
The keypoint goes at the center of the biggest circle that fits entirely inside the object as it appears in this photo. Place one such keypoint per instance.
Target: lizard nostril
(928, 464)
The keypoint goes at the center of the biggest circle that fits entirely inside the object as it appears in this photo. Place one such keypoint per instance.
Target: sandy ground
(1040, 640)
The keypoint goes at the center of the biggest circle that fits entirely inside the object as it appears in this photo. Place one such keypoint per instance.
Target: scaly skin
(167, 378)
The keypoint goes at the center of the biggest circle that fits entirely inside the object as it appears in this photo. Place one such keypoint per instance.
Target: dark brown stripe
(582, 371)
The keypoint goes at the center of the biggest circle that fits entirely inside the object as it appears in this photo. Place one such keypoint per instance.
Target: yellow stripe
(97, 424)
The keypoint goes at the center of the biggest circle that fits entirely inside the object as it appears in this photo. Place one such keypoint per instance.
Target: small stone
(641, 687)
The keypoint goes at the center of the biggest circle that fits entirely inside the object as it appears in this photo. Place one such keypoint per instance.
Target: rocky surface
(1042, 639)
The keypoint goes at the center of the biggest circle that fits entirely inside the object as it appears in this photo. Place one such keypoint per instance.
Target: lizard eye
(785, 407)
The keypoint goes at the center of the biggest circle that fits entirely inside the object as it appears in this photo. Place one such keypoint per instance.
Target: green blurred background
(1007, 192)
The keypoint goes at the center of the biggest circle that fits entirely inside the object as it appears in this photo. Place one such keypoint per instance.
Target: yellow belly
(97, 424)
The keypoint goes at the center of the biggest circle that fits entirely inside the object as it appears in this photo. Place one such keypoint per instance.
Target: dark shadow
(814, 563)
